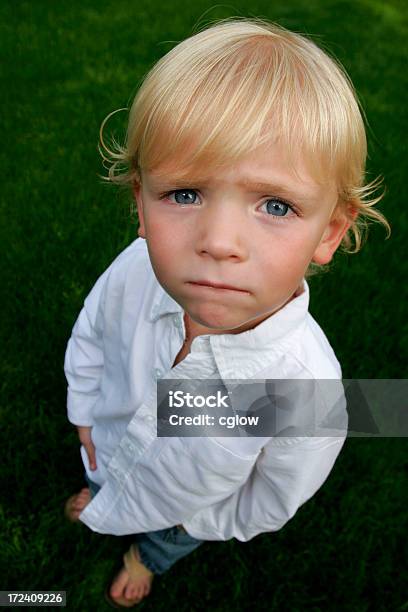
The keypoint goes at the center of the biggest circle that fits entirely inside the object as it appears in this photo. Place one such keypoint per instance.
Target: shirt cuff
(80, 408)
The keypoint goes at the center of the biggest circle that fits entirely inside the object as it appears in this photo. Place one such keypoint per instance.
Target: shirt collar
(247, 354)
(163, 304)
(274, 328)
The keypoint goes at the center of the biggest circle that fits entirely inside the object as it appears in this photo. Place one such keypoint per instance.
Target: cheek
(167, 233)
(164, 243)
(288, 252)
(289, 243)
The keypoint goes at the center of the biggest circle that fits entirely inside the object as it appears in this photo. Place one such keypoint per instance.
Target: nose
(222, 232)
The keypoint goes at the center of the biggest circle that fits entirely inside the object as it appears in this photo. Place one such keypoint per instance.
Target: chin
(215, 323)
(218, 320)
(213, 318)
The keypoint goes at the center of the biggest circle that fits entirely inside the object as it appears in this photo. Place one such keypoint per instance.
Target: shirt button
(158, 373)
(149, 418)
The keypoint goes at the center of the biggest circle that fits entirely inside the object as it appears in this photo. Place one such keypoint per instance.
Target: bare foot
(76, 503)
(127, 590)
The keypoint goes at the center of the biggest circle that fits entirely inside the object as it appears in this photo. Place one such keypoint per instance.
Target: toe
(76, 503)
(124, 589)
(81, 500)
(119, 583)
(79, 503)
(133, 592)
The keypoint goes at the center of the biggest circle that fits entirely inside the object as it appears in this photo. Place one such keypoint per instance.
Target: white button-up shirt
(126, 337)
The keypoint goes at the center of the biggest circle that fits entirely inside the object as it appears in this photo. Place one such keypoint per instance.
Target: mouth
(216, 286)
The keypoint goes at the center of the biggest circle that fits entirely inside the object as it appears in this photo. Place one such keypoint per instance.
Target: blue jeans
(159, 550)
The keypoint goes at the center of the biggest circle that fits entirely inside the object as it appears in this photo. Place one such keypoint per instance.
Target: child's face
(247, 237)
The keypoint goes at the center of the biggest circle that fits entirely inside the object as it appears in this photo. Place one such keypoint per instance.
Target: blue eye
(277, 206)
(188, 195)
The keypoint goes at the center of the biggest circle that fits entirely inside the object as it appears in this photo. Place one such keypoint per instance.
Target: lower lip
(218, 289)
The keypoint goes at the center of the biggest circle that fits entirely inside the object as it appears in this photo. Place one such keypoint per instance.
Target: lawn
(66, 65)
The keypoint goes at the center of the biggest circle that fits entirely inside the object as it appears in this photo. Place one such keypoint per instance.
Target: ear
(333, 234)
(137, 192)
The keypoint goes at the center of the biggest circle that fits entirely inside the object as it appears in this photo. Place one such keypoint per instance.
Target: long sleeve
(283, 479)
(174, 479)
(83, 364)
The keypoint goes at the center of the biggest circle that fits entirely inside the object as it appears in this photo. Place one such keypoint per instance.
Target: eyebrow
(255, 186)
(284, 189)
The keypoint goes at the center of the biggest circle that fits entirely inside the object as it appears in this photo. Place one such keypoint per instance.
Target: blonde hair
(240, 83)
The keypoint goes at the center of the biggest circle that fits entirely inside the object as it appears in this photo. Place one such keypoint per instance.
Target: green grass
(66, 65)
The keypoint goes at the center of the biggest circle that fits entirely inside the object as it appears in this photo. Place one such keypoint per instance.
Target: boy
(246, 152)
